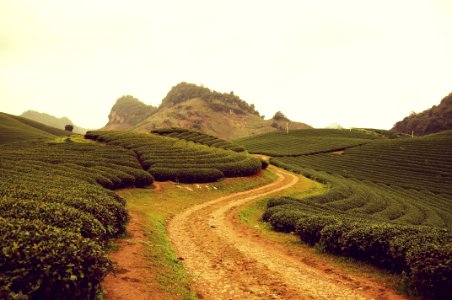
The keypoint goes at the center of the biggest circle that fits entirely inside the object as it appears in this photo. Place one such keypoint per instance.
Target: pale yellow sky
(359, 63)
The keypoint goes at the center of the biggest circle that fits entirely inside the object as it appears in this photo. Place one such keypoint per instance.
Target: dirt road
(227, 260)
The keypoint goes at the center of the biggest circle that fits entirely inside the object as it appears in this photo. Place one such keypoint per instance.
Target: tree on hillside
(69, 127)
(279, 116)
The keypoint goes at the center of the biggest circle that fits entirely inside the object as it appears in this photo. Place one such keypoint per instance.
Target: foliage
(198, 137)
(55, 217)
(69, 127)
(280, 116)
(423, 163)
(186, 175)
(217, 101)
(435, 119)
(387, 202)
(169, 158)
(45, 262)
(422, 254)
(305, 141)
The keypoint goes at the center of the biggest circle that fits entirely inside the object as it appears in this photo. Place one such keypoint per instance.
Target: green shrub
(284, 220)
(186, 175)
(54, 214)
(44, 262)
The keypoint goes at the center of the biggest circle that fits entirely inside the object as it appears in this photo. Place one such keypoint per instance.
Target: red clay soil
(132, 279)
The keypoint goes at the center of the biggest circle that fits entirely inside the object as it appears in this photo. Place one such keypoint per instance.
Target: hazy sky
(359, 63)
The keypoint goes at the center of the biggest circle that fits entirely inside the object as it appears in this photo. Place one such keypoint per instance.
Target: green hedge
(422, 254)
(55, 214)
(186, 175)
(39, 261)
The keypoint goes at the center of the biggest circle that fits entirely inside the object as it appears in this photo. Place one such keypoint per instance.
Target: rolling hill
(52, 121)
(435, 119)
(189, 106)
(14, 128)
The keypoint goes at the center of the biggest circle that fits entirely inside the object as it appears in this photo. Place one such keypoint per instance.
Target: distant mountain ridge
(189, 106)
(52, 121)
(437, 118)
(15, 128)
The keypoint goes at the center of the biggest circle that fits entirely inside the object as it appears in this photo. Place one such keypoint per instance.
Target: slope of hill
(52, 121)
(435, 119)
(14, 128)
(308, 141)
(186, 105)
(198, 137)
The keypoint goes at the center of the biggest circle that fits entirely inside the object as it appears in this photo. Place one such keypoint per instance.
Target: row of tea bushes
(173, 159)
(55, 216)
(198, 137)
(305, 141)
(423, 254)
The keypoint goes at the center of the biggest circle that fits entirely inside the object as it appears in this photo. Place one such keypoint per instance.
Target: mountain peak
(225, 102)
(128, 111)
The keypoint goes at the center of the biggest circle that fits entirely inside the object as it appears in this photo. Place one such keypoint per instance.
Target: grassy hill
(14, 128)
(387, 202)
(51, 121)
(434, 119)
(188, 106)
(307, 141)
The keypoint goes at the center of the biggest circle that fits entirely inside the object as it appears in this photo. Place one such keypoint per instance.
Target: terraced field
(388, 202)
(199, 137)
(168, 158)
(420, 163)
(55, 218)
(306, 141)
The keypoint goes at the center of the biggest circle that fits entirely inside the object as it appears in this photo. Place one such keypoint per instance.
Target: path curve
(227, 262)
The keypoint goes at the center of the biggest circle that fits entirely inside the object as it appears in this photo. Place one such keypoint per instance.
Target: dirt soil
(131, 279)
(228, 260)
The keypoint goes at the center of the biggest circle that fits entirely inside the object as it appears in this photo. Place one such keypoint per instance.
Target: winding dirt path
(227, 260)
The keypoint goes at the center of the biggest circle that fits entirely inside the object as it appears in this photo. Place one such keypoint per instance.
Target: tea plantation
(388, 202)
(168, 158)
(57, 212)
(55, 216)
(199, 137)
(306, 141)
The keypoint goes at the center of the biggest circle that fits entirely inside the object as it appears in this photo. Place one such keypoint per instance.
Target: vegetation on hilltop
(217, 101)
(435, 119)
(52, 121)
